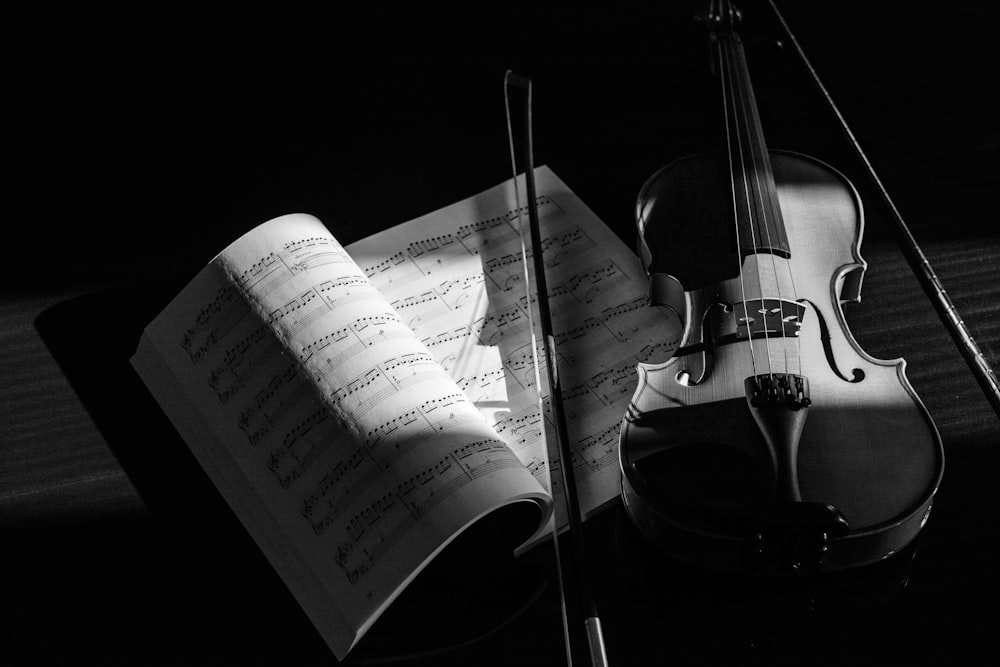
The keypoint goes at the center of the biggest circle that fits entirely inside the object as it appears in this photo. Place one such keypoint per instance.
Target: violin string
(795, 298)
(729, 66)
(723, 75)
(757, 169)
(928, 279)
(730, 102)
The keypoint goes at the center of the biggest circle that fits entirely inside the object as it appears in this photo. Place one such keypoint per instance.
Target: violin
(770, 442)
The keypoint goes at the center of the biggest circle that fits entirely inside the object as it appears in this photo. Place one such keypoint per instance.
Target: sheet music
(455, 277)
(344, 446)
(359, 410)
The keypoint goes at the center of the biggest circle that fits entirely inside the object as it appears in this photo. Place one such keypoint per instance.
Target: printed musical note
(415, 301)
(598, 302)
(431, 254)
(348, 341)
(239, 361)
(500, 230)
(347, 289)
(264, 275)
(460, 291)
(396, 511)
(520, 428)
(390, 267)
(599, 450)
(275, 269)
(430, 486)
(607, 386)
(331, 497)
(258, 418)
(482, 386)
(386, 379)
(301, 311)
(508, 322)
(301, 447)
(329, 482)
(308, 254)
(371, 533)
(393, 438)
(447, 336)
(213, 322)
(329, 414)
(657, 352)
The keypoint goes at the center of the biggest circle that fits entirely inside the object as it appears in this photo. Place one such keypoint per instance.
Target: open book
(358, 408)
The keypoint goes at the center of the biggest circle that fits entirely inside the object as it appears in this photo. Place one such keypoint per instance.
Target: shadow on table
(186, 582)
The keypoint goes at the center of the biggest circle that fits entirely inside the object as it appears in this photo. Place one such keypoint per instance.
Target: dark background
(138, 143)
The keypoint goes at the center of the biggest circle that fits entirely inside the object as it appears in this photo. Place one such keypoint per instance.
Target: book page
(455, 277)
(340, 441)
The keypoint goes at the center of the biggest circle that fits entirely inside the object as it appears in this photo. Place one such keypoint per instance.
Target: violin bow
(918, 262)
(578, 559)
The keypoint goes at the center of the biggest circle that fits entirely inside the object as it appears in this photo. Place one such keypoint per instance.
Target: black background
(138, 143)
(190, 127)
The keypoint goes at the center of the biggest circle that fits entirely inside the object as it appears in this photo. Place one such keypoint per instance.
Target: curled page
(456, 278)
(343, 445)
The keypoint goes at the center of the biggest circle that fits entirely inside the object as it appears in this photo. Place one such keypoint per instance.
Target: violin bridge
(757, 318)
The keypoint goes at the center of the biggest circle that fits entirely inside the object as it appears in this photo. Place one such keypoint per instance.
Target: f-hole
(857, 375)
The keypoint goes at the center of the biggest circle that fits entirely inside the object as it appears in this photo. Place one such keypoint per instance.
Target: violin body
(770, 442)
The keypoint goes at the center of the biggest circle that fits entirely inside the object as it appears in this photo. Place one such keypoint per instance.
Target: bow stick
(932, 286)
(588, 605)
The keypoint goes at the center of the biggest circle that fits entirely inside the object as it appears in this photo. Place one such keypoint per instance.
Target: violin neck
(755, 199)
